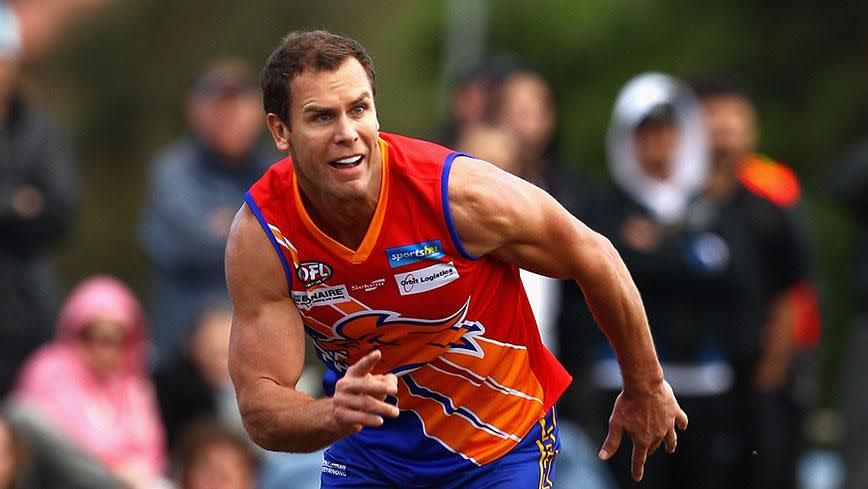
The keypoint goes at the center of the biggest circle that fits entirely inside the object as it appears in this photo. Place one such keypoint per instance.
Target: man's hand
(649, 418)
(360, 395)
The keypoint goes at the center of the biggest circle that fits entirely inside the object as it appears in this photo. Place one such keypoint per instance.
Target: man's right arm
(266, 357)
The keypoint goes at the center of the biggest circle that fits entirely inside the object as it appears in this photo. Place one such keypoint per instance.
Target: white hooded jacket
(666, 200)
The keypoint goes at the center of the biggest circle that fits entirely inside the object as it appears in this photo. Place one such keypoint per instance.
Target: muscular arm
(522, 224)
(266, 357)
(501, 215)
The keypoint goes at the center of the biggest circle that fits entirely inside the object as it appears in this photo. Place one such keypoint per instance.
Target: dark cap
(660, 115)
(224, 77)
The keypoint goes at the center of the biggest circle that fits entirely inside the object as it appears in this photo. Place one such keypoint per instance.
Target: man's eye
(322, 117)
(359, 109)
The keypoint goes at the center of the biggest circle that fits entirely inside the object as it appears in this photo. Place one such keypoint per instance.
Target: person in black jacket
(695, 264)
(37, 204)
(760, 198)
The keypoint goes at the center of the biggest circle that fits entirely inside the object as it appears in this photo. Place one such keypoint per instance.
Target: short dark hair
(307, 50)
(222, 77)
(659, 116)
(709, 86)
(204, 433)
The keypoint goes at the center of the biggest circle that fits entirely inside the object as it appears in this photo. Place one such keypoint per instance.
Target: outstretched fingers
(640, 453)
(681, 420)
(365, 364)
(613, 441)
(359, 396)
(670, 441)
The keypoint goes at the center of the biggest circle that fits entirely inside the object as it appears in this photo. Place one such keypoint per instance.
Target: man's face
(229, 124)
(209, 348)
(492, 144)
(332, 132)
(655, 149)
(469, 101)
(102, 343)
(731, 127)
(528, 111)
(220, 466)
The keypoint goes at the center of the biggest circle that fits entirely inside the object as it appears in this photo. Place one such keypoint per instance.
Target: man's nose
(345, 130)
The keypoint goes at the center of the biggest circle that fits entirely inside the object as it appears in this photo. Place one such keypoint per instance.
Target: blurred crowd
(101, 391)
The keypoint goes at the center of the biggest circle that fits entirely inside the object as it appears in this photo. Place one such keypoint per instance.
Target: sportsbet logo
(405, 255)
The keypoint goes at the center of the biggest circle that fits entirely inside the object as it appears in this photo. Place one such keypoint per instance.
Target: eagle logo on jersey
(474, 395)
(406, 343)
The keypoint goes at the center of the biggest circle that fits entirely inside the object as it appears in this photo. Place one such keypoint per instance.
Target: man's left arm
(501, 215)
(786, 263)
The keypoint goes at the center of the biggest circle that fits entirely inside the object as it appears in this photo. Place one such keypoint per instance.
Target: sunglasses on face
(102, 337)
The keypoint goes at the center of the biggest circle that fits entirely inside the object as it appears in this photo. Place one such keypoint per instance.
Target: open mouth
(348, 162)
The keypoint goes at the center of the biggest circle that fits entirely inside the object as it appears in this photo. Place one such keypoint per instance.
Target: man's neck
(344, 220)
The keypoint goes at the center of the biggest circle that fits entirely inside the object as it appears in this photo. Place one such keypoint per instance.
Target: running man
(400, 258)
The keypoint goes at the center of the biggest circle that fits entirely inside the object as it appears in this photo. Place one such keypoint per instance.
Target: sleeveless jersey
(457, 330)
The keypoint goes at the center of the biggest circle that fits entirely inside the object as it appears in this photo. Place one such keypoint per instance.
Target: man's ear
(279, 132)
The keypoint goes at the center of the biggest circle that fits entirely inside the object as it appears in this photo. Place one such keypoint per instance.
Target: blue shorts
(529, 465)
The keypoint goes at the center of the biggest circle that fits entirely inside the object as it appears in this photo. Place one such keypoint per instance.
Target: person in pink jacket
(91, 383)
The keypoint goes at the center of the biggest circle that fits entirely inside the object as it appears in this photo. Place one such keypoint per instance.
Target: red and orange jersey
(474, 376)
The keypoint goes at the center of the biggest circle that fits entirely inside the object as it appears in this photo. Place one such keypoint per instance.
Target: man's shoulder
(771, 180)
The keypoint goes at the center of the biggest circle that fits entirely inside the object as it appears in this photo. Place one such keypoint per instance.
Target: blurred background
(121, 80)
(118, 80)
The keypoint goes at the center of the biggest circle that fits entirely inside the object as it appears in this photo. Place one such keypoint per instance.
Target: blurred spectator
(468, 105)
(733, 133)
(790, 310)
(491, 143)
(12, 456)
(525, 105)
(37, 195)
(849, 187)
(211, 456)
(196, 384)
(30, 28)
(196, 187)
(54, 460)
(90, 383)
(688, 278)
